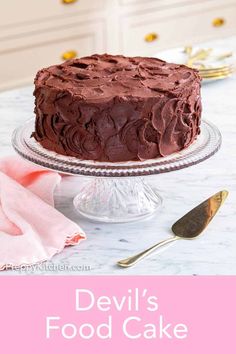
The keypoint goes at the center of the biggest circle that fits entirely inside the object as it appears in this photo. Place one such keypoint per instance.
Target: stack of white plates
(213, 64)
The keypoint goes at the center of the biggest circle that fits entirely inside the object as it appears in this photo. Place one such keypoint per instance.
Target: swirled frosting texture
(115, 108)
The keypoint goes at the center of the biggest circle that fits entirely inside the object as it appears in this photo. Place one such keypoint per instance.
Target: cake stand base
(117, 199)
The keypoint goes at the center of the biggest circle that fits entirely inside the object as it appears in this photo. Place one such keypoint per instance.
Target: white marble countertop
(212, 254)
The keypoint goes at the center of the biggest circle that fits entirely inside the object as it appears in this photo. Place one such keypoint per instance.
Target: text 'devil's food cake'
(115, 108)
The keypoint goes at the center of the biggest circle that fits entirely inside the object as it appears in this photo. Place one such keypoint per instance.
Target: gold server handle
(218, 22)
(129, 262)
(70, 54)
(151, 37)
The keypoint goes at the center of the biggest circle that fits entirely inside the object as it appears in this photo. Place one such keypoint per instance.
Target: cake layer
(115, 108)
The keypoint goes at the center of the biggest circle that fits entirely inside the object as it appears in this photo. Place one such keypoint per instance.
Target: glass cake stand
(116, 192)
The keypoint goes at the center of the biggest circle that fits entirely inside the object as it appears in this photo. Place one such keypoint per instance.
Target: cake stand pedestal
(117, 199)
(116, 192)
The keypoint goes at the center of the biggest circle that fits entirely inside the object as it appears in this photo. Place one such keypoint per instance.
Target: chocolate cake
(115, 108)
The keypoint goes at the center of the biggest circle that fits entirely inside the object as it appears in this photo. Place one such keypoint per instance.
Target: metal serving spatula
(188, 227)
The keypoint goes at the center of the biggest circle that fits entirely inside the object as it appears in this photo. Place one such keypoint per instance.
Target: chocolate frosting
(116, 108)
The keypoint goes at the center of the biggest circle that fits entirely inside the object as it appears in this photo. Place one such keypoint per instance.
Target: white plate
(178, 56)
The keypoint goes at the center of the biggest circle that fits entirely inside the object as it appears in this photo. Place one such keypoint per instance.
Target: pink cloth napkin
(31, 229)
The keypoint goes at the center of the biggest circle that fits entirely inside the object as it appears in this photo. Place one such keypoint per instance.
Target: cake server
(188, 227)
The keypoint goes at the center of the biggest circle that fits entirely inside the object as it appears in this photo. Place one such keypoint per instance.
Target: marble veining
(214, 253)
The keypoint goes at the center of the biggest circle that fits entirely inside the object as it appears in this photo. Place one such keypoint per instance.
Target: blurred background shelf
(35, 34)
